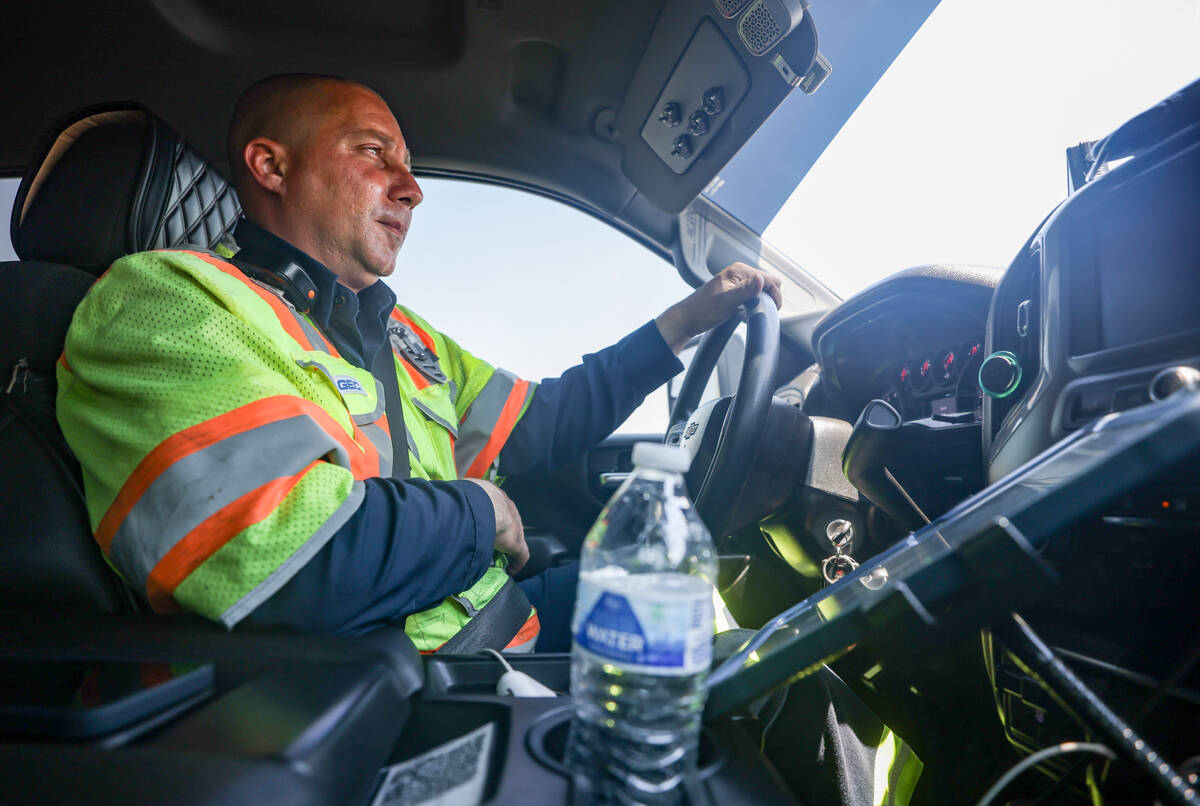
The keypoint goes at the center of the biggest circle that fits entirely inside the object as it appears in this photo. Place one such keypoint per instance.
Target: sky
(959, 150)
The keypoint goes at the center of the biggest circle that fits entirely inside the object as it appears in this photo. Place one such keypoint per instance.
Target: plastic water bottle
(643, 627)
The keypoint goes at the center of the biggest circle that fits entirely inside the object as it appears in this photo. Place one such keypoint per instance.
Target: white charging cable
(518, 684)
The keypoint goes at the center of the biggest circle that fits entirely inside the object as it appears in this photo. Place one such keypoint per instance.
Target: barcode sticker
(450, 775)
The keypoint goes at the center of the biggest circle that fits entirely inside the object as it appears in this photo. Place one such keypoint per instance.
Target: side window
(529, 284)
(8, 194)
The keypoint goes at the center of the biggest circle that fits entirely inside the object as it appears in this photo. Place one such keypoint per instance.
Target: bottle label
(646, 627)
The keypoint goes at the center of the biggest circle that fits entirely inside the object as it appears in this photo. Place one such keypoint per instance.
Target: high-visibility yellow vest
(223, 440)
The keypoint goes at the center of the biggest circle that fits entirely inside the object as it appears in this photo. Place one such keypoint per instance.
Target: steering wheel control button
(698, 123)
(1171, 380)
(670, 115)
(714, 101)
(681, 147)
(1000, 374)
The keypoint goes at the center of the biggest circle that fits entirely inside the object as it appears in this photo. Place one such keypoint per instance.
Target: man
(237, 459)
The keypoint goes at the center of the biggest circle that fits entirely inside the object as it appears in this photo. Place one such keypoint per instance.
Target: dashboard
(1098, 304)
(915, 340)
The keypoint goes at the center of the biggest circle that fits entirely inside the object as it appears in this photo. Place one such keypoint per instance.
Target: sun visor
(713, 71)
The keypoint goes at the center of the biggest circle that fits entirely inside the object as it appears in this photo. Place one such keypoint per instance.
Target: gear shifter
(871, 441)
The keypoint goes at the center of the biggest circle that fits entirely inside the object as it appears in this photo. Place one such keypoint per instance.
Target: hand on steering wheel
(742, 428)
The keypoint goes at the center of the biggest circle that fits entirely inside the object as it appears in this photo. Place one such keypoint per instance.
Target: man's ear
(266, 161)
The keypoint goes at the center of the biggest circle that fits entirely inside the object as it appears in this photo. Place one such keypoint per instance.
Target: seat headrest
(114, 180)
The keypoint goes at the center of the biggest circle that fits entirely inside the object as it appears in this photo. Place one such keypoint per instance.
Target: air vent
(729, 8)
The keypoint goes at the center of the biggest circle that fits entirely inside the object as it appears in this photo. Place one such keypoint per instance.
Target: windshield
(957, 151)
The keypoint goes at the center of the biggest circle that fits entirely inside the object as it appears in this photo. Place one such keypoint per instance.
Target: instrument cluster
(941, 383)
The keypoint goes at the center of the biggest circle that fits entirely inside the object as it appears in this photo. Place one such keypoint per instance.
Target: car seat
(108, 181)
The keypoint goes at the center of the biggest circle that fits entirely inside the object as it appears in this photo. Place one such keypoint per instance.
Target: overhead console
(711, 74)
(1099, 313)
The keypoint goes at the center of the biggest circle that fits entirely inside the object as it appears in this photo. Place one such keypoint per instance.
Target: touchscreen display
(1146, 275)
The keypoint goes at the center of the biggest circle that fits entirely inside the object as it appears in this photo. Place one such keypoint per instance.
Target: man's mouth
(400, 230)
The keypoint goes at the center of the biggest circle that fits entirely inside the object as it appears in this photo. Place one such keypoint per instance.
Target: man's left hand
(714, 302)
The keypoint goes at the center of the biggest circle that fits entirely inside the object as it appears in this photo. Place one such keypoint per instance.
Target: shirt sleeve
(409, 545)
(570, 414)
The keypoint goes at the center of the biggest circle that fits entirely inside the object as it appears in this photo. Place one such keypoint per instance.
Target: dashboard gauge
(972, 350)
(923, 376)
(904, 376)
(945, 368)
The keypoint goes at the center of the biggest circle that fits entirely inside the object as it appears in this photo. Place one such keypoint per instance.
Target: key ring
(836, 567)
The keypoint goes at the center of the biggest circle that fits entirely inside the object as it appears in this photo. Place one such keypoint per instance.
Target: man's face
(348, 190)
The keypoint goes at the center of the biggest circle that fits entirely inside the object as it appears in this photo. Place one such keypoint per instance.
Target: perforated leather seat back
(107, 182)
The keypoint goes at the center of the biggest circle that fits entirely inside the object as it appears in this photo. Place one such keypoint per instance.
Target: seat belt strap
(495, 625)
(383, 367)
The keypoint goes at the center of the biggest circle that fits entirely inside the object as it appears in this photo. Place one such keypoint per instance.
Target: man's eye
(376, 150)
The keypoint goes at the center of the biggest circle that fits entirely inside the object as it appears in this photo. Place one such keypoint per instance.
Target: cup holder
(547, 741)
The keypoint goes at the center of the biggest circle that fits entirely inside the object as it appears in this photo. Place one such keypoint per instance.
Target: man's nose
(405, 189)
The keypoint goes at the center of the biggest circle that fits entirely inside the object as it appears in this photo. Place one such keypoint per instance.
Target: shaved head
(320, 162)
(284, 108)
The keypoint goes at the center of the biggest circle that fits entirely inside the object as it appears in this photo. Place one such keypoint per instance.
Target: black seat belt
(383, 367)
(493, 625)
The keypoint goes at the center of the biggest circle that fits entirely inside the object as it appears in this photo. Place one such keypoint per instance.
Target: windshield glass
(957, 151)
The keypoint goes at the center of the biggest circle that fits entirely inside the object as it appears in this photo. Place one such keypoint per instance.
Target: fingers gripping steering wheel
(741, 430)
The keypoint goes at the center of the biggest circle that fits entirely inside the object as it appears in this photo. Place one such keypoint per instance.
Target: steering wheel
(745, 420)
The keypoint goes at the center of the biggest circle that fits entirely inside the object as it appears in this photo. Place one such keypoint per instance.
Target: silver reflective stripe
(521, 649)
(383, 444)
(197, 486)
(904, 756)
(466, 605)
(288, 569)
(380, 404)
(481, 420)
(310, 330)
(442, 421)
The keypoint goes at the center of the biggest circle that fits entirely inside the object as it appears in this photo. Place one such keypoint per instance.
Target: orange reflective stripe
(529, 631)
(202, 542)
(364, 458)
(282, 312)
(504, 426)
(418, 379)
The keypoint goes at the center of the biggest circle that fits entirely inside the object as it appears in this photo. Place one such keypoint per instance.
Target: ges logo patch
(348, 386)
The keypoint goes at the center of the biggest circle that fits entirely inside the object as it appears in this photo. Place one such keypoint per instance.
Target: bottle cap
(661, 457)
